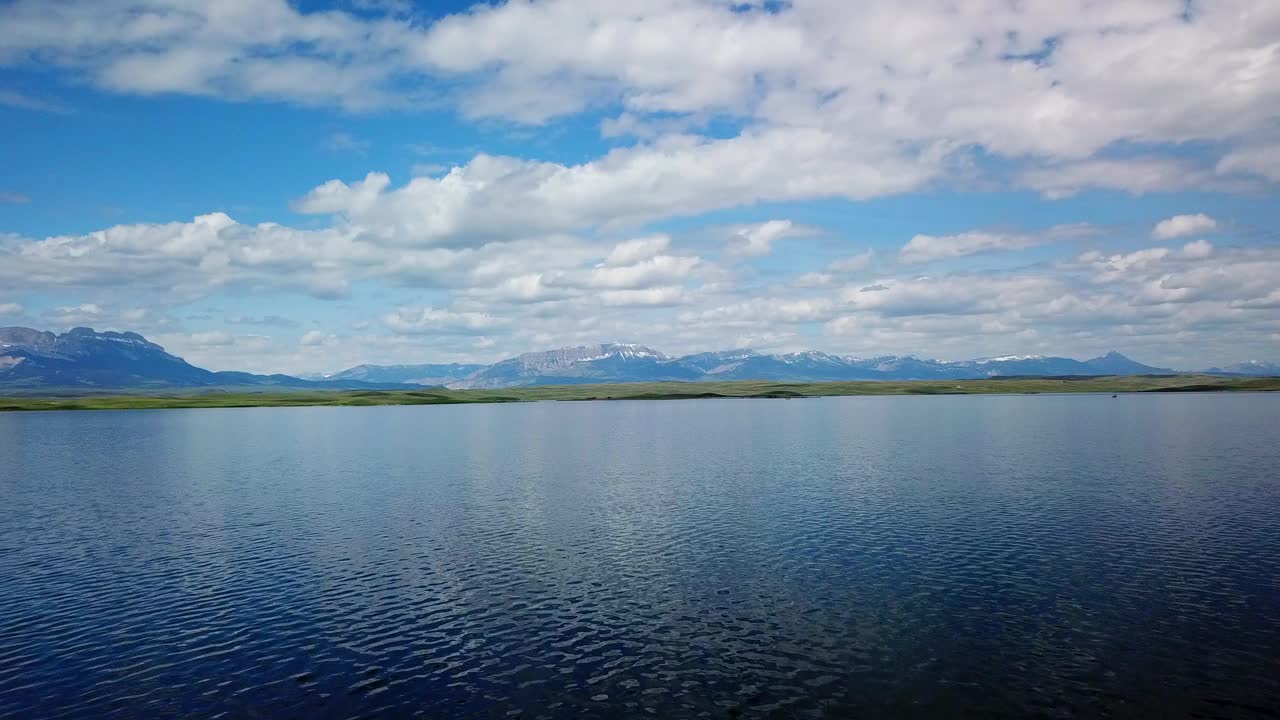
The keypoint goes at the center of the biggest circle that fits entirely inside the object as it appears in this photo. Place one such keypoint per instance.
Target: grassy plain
(644, 391)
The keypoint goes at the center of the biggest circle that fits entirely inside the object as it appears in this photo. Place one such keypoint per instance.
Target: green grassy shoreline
(645, 391)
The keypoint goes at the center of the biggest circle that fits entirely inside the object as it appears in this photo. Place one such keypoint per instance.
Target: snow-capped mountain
(1249, 367)
(636, 363)
(610, 362)
(83, 358)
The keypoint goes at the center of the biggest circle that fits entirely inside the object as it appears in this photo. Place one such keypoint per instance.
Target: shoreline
(746, 389)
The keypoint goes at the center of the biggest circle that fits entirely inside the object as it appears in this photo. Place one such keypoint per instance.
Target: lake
(989, 556)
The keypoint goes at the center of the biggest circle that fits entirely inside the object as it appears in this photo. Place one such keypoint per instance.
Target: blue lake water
(1052, 556)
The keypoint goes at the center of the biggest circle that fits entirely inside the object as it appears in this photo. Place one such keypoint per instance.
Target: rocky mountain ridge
(609, 363)
(83, 359)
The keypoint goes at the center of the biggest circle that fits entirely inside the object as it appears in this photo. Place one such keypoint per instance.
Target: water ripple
(846, 557)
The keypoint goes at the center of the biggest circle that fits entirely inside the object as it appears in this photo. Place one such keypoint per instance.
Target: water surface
(838, 557)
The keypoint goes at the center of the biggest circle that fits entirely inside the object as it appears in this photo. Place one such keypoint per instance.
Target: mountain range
(1255, 368)
(83, 359)
(636, 363)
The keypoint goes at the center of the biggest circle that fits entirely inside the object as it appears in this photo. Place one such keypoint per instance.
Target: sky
(303, 186)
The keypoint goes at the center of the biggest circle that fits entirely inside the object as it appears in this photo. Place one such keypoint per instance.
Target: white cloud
(1150, 303)
(926, 248)
(553, 290)
(1180, 225)
(655, 296)
(218, 350)
(493, 197)
(439, 320)
(1269, 301)
(265, 320)
(72, 315)
(13, 198)
(1116, 267)
(214, 338)
(852, 263)
(1137, 176)
(940, 69)
(849, 100)
(759, 311)
(814, 280)
(1197, 249)
(188, 259)
(756, 240)
(960, 294)
(316, 338)
(10, 309)
(656, 270)
(828, 100)
(1262, 159)
(633, 251)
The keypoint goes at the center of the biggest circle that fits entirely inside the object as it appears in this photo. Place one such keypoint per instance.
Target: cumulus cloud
(316, 338)
(652, 297)
(807, 100)
(211, 251)
(633, 251)
(554, 290)
(924, 248)
(265, 320)
(1197, 249)
(72, 315)
(760, 311)
(835, 99)
(1134, 175)
(756, 240)
(181, 262)
(950, 294)
(10, 309)
(927, 248)
(440, 321)
(1261, 159)
(213, 338)
(1151, 303)
(852, 263)
(1180, 225)
(813, 280)
(655, 270)
(1119, 265)
(493, 197)
(941, 69)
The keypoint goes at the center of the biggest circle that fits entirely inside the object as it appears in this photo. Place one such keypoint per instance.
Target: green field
(646, 391)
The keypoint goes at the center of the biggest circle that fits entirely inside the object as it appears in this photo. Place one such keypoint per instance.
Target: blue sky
(301, 187)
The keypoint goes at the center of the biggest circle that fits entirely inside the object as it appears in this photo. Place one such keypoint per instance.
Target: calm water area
(987, 556)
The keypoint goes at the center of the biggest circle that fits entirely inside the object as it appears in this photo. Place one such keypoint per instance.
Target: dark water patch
(1050, 556)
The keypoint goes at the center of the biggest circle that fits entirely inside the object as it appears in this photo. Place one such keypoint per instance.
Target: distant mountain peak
(1006, 358)
(587, 353)
(1249, 367)
(86, 358)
